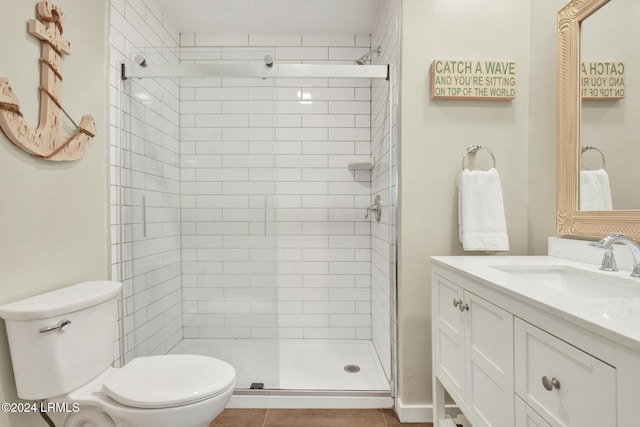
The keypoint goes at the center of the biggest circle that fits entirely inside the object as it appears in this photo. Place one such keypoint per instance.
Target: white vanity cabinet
(527, 417)
(508, 360)
(474, 352)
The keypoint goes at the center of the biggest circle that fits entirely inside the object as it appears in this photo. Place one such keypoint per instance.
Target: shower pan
(244, 235)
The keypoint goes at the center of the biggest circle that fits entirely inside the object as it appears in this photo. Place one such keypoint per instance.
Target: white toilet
(62, 345)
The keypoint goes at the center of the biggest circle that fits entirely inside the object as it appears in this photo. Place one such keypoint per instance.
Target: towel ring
(586, 148)
(472, 150)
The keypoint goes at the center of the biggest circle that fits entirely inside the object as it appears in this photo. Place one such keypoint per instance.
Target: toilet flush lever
(60, 326)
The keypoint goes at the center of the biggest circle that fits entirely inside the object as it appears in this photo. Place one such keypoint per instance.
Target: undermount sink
(576, 282)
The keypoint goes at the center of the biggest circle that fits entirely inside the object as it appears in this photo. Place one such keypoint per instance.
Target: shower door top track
(255, 70)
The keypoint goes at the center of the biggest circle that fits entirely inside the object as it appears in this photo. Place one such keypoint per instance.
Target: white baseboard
(420, 413)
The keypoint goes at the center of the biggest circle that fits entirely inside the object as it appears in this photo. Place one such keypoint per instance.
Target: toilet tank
(61, 339)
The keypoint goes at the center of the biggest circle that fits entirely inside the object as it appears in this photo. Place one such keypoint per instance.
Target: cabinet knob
(458, 303)
(550, 384)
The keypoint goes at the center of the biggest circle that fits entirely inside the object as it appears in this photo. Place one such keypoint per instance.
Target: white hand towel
(595, 191)
(482, 224)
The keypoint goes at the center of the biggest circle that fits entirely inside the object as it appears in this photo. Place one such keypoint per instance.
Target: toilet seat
(168, 380)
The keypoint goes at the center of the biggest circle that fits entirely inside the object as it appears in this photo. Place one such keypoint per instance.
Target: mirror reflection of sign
(602, 80)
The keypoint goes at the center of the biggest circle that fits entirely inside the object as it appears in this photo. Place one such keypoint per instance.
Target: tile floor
(310, 418)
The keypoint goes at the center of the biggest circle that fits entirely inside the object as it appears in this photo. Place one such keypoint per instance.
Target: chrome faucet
(607, 243)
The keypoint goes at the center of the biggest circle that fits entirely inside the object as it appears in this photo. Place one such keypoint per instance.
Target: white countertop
(616, 317)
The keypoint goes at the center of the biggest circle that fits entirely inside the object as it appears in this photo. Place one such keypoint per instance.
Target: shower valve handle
(376, 208)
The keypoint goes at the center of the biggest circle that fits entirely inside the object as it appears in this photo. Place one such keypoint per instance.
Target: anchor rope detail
(59, 105)
(58, 75)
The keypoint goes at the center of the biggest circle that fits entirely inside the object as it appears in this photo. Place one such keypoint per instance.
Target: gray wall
(53, 227)
(434, 136)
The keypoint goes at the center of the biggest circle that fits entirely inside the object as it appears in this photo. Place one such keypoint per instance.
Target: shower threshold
(310, 399)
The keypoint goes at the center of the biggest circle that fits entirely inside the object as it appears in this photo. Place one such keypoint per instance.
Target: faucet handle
(608, 261)
(608, 242)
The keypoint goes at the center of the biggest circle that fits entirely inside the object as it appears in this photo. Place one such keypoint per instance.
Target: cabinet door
(526, 417)
(489, 376)
(449, 335)
(578, 390)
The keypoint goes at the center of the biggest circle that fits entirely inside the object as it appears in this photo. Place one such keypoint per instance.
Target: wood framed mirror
(570, 220)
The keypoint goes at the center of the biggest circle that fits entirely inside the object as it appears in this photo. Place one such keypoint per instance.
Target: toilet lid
(169, 380)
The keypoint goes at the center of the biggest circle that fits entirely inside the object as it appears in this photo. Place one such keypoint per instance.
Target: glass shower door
(150, 215)
(233, 231)
(202, 246)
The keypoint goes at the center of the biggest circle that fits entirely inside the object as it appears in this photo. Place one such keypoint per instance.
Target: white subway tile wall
(384, 183)
(273, 220)
(255, 226)
(145, 165)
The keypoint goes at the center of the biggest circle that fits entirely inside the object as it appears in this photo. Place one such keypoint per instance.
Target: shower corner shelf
(361, 163)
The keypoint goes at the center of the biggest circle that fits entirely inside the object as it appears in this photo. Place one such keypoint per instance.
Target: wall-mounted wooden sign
(47, 140)
(602, 80)
(483, 80)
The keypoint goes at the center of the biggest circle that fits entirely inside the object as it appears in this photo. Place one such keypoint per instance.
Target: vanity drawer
(562, 384)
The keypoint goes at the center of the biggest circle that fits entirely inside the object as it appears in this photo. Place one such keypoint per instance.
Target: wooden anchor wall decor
(47, 140)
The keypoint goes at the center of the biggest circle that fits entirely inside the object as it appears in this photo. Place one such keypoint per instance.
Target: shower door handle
(144, 216)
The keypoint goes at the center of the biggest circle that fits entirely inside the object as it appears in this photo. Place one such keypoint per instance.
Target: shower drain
(352, 369)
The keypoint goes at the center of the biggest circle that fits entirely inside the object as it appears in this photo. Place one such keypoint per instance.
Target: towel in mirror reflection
(595, 191)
